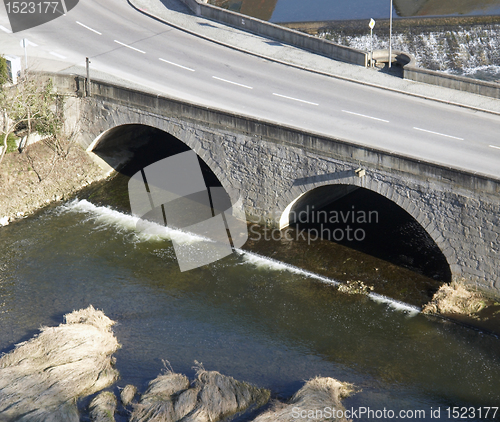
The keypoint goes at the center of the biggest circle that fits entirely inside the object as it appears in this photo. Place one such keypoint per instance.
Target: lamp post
(371, 25)
(390, 38)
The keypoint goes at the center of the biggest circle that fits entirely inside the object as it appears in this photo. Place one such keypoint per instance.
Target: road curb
(308, 69)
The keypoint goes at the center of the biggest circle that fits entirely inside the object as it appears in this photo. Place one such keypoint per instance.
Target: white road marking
(178, 65)
(88, 27)
(364, 115)
(295, 99)
(129, 46)
(60, 56)
(233, 83)
(437, 133)
(494, 146)
(4, 29)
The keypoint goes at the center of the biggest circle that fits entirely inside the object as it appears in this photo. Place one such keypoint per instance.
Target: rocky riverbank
(39, 176)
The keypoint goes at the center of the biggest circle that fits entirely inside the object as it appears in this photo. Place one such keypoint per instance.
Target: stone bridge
(278, 170)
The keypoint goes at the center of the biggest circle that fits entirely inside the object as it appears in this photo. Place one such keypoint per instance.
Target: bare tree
(30, 107)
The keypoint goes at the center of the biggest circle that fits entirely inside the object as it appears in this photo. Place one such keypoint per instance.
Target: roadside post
(24, 44)
(87, 65)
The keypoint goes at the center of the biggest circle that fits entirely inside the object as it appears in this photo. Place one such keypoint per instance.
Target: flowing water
(472, 51)
(248, 316)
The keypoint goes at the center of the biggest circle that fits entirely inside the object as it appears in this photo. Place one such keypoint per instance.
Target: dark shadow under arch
(370, 223)
(131, 147)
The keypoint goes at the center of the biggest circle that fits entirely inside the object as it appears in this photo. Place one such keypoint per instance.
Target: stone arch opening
(368, 222)
(130, 148)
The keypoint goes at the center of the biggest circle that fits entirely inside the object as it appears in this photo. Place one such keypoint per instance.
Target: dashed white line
(178, 65)
(364, 115)
(437, 133)
(129, 46)
(60, 56)
(233, 83)
(88, 27)
(494, 146)
(4, 29)
(295, 99)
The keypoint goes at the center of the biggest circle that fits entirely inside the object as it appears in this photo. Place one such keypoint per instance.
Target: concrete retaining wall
(279, 33)
(461, 83)
(414, 73)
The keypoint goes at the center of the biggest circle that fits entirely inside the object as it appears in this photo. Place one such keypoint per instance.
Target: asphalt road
(121, 41)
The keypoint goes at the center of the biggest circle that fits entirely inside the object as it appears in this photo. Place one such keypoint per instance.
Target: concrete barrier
(412, 72)
(460, 83)
(279, 33)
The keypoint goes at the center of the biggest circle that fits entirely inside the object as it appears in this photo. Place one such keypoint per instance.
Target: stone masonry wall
(270, 174)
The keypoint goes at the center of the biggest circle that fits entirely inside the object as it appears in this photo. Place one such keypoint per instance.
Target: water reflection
(262, 9)
(407, 8)
(322, 10)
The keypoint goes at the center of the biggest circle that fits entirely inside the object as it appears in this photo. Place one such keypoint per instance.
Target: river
(279, 11)
(247, 316)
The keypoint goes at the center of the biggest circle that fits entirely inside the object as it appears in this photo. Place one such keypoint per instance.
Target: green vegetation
(11, 143)
(4, 73)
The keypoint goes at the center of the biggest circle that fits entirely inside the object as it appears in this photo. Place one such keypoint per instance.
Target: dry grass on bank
(455, 299)
(102, 407)
(127, 394)
(41, 379)
(210, 398)
(311, 401)
(355, 288)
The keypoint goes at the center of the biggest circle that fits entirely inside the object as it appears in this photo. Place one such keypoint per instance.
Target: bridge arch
(358, 217)
(129, 147)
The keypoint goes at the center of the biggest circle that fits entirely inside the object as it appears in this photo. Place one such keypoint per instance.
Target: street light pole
(371, 25)
(390, 38)
(371, 47)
